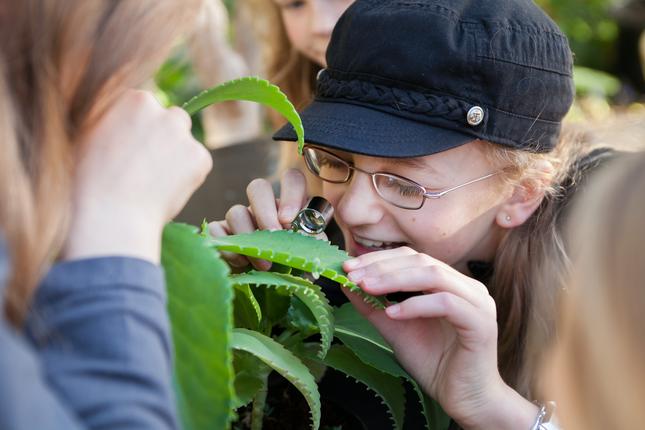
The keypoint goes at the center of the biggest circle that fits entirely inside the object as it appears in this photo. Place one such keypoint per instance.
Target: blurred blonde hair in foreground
(596, 372)
(62, 64)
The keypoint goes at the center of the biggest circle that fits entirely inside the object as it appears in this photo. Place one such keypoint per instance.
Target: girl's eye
(331, 163)
(402, 188)
(408, 190)
(292, 5)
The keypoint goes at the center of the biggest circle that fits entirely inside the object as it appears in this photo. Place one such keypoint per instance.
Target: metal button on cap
(319, 74)
(475, 115)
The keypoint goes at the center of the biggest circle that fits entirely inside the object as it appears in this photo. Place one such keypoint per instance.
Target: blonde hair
(287, 68)
(61, 65)
(597, 369)
(531, 259)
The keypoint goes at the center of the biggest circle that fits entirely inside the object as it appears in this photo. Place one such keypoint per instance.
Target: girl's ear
(526, 197)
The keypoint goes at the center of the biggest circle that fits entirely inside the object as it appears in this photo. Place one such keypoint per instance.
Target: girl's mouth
(363, 245)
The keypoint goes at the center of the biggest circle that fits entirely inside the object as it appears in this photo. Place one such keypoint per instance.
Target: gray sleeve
(101, 333)
(26, 400)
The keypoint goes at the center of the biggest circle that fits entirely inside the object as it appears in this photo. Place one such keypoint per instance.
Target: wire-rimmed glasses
(394, 189)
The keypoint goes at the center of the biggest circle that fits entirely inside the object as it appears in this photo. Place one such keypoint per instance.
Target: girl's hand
(446, 337)
(264, 212)
(136, 169)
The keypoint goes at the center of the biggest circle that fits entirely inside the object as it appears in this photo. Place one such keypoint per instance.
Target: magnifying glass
(314, 217)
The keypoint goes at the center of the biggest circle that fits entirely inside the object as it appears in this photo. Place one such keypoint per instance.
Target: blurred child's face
(456, 228)
(309, 24)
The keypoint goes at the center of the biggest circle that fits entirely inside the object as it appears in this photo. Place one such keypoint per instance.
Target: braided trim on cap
(396, 98)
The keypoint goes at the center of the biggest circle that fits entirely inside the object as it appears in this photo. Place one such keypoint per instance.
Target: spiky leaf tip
(251, 89)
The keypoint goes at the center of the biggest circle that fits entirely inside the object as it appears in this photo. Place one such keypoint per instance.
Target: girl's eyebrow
(408, 162)
(415, 163)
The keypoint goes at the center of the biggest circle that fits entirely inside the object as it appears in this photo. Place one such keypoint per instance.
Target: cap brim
(362, 130)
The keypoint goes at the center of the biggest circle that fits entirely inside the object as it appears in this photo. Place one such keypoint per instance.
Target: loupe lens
(314, 217)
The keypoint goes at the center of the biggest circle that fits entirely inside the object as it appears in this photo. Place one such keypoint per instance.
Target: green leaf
(250, 376)
(436, 418)
(299, 317)
(284, 362)
(200, 305)
(389, 388)
(359, 335)
(246, 309)
(310, 294)
(307, 352)
(298, 251)
(252, 89)
(274, 305)
(356, 332)
(590, 81)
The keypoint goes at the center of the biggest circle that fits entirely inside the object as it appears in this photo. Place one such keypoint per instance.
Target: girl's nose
(360, 204)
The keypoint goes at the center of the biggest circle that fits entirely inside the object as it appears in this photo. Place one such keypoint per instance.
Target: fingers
(239, 220)
(439, 305)
(428, 279)
(372, 257)
(469, 322)
(405, 270)
(263, 205)
(180, 116)
(220, 229)
(293, 189)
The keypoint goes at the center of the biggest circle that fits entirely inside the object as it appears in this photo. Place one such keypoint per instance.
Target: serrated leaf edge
(305, 290)
(309, 395)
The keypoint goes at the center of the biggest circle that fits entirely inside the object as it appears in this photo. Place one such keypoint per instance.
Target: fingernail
(370, 283)
(356, 275)
(393, 310)
(351, 263)
(263, 265)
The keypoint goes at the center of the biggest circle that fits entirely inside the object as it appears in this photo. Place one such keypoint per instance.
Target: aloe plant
(231, 331)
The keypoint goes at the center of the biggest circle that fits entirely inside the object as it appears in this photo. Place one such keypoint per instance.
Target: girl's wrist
(106, 233)
(506, 410)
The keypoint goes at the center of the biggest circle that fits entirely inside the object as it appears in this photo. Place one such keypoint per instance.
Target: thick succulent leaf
(246, 309)
(310, 294)
(284, 362)
(298, 251)
(359, 335)
(299, 317)
(389, 388)
(436, 418)
(250, 376)
(307, 352)
(200, 300)
(274, 305)
(281, 268)
(252, 89)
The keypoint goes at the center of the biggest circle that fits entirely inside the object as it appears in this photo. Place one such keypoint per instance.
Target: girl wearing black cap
(440, 148)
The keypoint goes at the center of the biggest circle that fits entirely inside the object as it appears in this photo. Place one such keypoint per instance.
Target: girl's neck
(484, 251)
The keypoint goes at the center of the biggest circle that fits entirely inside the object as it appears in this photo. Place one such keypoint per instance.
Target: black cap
(408, 78)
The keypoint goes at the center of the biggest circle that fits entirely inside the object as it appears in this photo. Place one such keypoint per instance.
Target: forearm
(101, 331)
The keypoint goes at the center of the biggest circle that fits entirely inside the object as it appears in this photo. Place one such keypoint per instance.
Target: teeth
(373, 243)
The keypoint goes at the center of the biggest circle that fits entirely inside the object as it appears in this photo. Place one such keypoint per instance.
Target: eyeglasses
(399, 191)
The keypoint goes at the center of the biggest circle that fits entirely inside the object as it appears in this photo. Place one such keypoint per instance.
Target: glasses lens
(398, 191)
(326, 166)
